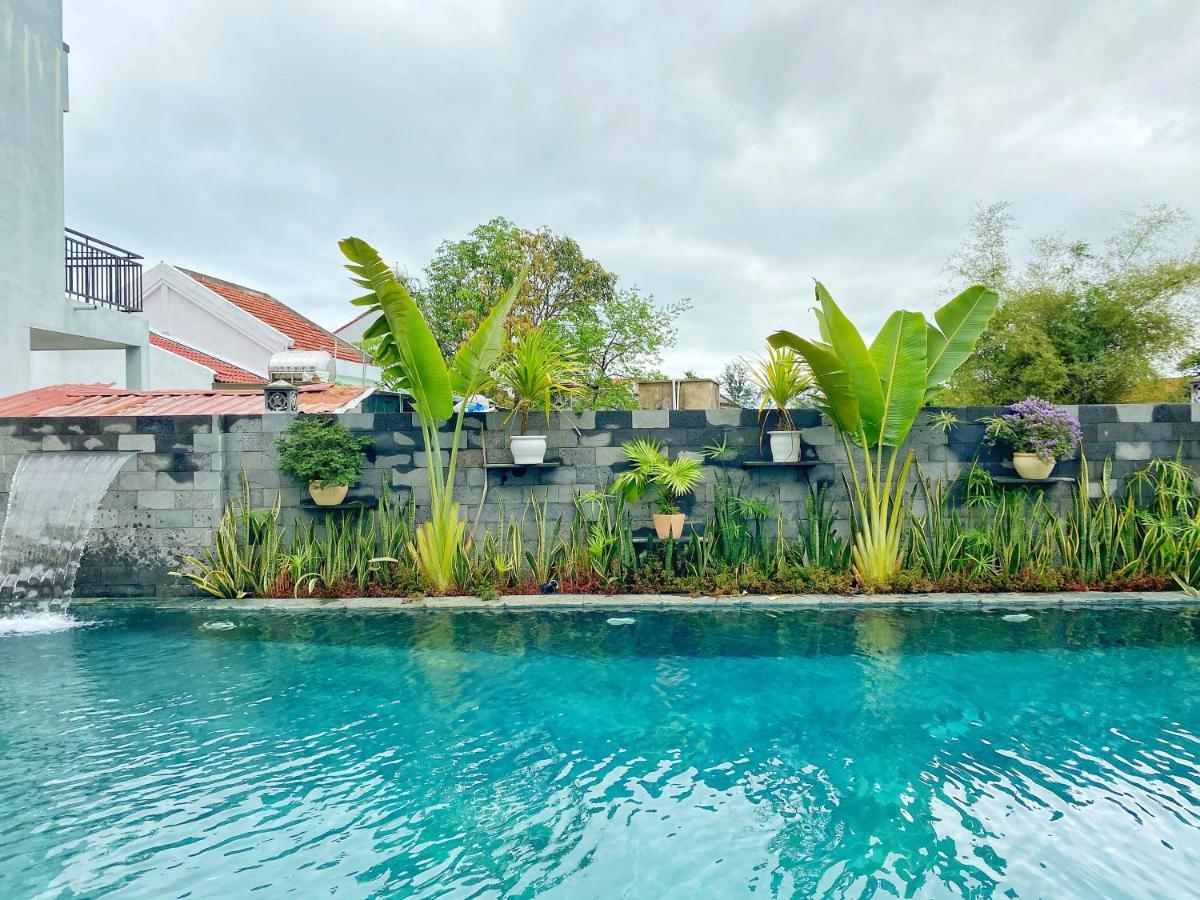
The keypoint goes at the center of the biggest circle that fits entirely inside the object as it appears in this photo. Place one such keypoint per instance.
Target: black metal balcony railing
(103, 274)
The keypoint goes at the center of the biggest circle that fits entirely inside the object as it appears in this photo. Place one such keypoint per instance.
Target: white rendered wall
(179, 307)
(32, 97)
(166, 370)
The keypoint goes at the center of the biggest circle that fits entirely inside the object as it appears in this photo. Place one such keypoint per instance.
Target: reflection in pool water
(853, 752)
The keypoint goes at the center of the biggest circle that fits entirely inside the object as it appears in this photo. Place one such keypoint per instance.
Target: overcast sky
(727, 152)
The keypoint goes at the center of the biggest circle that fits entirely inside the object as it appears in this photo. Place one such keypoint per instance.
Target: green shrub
(320, 448)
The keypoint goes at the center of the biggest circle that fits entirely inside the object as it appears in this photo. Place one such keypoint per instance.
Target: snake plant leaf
(477, 355)
(898, 352)
(959, 324)
(839, 400)
(856, 362)
(428, 379)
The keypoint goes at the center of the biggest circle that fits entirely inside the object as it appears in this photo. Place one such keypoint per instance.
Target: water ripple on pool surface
(830, 753)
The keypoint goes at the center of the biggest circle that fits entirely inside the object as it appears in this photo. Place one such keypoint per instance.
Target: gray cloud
(726, 152)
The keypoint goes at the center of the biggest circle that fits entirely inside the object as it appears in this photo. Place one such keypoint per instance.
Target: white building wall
(34, 311)
(32, 97)
(166, 370)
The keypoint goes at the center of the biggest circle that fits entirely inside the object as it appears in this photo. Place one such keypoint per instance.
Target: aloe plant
(873, 394)
(410, 358)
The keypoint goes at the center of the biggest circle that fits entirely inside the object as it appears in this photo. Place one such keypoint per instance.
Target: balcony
(101, 274)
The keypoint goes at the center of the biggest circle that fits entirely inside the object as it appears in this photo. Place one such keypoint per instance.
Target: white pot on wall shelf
(528, 449)
(785, 446)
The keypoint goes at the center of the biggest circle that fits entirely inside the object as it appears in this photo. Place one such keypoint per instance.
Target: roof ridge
(203, 352)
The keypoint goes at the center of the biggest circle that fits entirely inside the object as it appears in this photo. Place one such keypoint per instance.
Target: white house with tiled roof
(237, 328)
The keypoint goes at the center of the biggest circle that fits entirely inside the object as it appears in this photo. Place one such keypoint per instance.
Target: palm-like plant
(873, 394)
(781, 377)
(651, 468)
(539, 373)
(410, 358)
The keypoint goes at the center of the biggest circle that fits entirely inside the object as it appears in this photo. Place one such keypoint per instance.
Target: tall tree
(1078, 323)
(617, 332)
(738, 386)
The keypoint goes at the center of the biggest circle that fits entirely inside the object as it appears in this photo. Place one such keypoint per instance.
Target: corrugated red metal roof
(305, 334)
(62, 400)
(223, 372)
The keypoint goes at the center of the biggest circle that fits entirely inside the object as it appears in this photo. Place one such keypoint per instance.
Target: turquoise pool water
(717, 754)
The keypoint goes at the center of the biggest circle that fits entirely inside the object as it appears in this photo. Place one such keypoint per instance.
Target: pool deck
(661, 601)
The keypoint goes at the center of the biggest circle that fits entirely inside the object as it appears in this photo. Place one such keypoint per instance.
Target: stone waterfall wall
(168, 499)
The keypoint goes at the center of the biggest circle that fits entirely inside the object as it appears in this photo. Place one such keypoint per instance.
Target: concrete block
(52, 442)
(156, 499)
(609, 456)
(726, 417)
(173, 518)
(136, 481)
(821, 436)
(1135, 412)
(597, 439)
(651, 418)
(208, 481)
(1133, 450)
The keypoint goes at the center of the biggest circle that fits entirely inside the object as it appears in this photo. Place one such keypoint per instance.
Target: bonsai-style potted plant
(672, 478)
(1038, 434)
(781, 376)
(321, 451)
(538, 373)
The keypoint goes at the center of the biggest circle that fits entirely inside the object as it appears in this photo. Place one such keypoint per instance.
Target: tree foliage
(616, 332)
(1079, 323)
(738, 385)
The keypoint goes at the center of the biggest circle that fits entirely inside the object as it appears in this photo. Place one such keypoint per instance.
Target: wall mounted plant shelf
(517, 470)
(1016, 481)
(350, 503)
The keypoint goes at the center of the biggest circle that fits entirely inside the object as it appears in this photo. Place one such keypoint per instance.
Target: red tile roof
(62, 400)
(305, 334)
(223, 372)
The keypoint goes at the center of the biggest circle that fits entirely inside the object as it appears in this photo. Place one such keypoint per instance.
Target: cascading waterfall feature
(51, 507)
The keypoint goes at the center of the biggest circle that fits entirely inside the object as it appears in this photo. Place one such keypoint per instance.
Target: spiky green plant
(873, 395)
(412, 360)
(539, 372)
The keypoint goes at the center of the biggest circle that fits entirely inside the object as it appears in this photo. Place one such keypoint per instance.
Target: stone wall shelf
(350, 503)
(518, 469)
(1017, 481)
(772, 464)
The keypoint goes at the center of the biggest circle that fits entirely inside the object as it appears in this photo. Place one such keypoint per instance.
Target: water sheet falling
(51, 508)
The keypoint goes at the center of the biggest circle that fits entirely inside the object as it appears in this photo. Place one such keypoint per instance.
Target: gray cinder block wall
(167, 500)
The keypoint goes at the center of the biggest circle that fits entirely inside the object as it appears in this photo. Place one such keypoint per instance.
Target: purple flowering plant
(1035, 426)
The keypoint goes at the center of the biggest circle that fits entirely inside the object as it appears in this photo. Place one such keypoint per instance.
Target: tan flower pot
(1032, 467)
(669, 526)
(327, 494)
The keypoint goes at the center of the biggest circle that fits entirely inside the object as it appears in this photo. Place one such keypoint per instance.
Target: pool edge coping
(538, 602)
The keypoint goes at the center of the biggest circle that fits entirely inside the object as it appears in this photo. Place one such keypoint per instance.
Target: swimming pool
(842, 752)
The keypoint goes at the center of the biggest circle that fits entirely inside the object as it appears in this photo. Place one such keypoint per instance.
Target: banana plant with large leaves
(411, 359)
(873, 395)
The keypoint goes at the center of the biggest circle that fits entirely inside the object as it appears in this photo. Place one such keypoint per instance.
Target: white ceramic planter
(1032, 467)
(668, 525)
(327, 494)
(528, 449)
(785, 446)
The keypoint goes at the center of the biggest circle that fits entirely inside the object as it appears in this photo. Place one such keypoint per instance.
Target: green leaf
(424, 367)
(478, 354)
(898, 353)
(961, 321)
(855, 360)
(839, 400)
